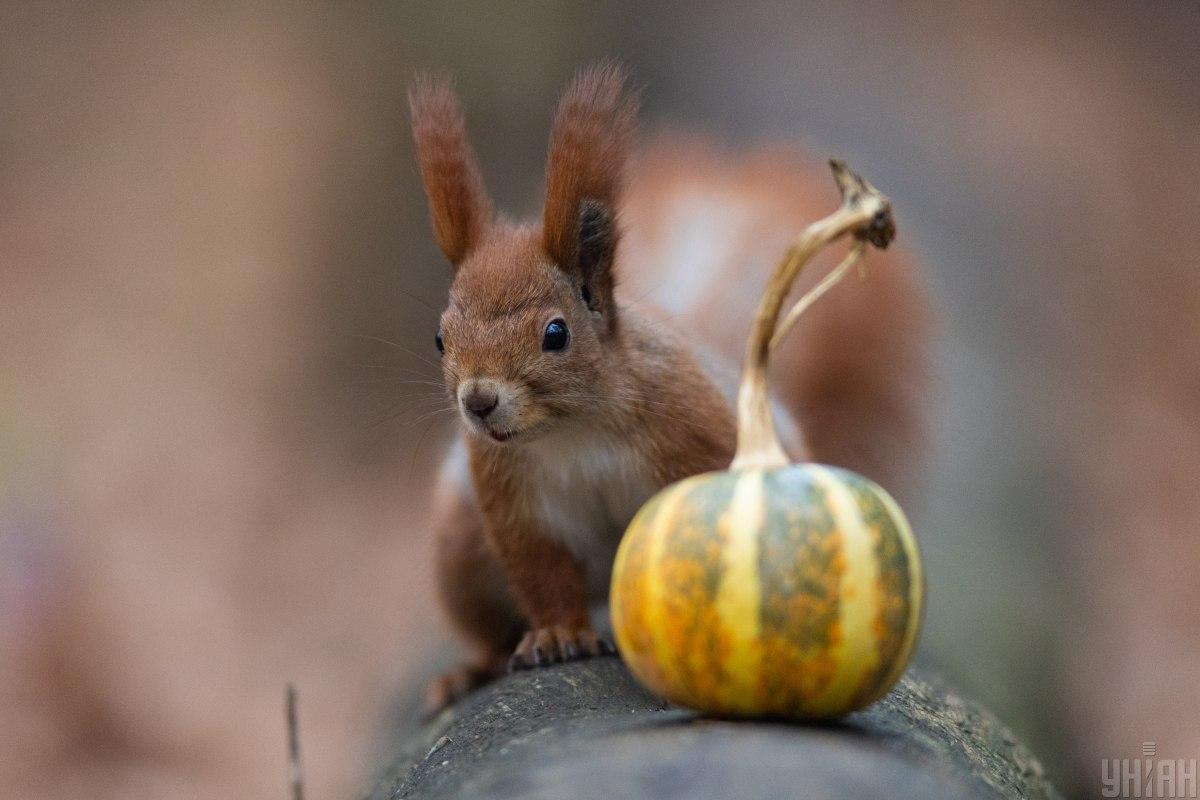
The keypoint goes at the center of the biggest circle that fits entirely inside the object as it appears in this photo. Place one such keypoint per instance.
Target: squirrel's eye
(556, 335)
(441, 346)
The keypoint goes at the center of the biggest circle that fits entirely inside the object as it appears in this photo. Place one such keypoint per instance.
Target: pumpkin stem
(813, 294)
(866, 214)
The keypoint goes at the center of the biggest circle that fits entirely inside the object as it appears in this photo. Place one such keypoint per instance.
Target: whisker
(397, 381)
(412, 463)
(394, 414)
(397, 367)
(429, 415)
(419, 299)
(401, 348)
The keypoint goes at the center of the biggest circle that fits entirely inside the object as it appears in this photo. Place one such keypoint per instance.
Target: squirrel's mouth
(505, 432)
(503, 435)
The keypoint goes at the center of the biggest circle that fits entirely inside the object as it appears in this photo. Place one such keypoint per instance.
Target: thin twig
(293, 732)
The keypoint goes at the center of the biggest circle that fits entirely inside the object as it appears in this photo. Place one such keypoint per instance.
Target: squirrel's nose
(480, 402)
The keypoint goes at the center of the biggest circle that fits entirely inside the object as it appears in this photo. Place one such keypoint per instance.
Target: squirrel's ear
(588, 145)
(595, 246)
(458, 203)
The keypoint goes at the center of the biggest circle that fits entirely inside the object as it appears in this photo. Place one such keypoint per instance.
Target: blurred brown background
(217, 289)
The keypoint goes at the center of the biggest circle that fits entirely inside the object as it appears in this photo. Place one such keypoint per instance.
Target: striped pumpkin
(791, 592)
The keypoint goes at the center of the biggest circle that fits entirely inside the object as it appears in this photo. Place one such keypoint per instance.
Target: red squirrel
(579, 399)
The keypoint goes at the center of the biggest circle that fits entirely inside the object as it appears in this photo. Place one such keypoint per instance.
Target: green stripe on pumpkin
(800, 567)
(687, 580)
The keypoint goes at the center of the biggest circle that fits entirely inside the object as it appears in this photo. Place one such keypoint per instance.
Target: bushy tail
(705, 227)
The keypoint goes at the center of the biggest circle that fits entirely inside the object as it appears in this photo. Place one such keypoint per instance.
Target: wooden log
(588, 730)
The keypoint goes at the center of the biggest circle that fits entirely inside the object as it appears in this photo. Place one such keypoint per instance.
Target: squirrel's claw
(542, 647)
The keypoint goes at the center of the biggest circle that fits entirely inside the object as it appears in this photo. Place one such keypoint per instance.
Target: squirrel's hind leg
(475, 596)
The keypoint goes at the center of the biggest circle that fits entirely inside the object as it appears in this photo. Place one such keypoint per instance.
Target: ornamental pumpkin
(773, 589)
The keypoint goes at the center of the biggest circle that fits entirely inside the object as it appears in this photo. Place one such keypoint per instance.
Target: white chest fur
(586, 486)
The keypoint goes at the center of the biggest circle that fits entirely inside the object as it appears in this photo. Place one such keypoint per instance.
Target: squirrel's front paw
(542, 647)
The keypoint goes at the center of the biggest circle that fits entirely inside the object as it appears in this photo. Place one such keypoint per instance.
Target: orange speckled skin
(836, 582)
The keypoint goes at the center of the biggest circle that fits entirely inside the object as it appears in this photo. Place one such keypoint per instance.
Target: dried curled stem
(814, 294)
(866, 214)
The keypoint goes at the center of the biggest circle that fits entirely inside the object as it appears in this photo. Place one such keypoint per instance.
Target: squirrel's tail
(703, 229)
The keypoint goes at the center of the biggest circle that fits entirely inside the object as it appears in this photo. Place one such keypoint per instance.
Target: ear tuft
(458, 203)
(588, 146)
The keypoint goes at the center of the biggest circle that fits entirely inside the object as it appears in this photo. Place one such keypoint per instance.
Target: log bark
(588, 730)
